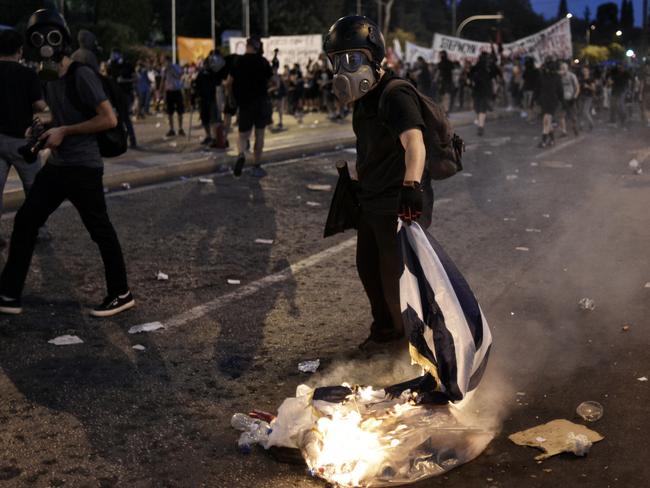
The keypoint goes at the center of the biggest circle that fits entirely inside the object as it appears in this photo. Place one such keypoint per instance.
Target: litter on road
(139, 347)
(590, 411)
(556, 437)
(309, 366)
(647, 285)
(148, 327)
(643, 378)
(160, 276)
(66, 340)
(625, 328)
(533, 230)
(126, 186)
(313, 204)
(317, 187)
(522, 248)
(511, 177)
(587, 304)
(207, 181)
(234, 282)
(264, 241)
(546, 216)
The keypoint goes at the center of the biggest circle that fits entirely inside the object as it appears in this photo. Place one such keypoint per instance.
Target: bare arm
(414, 154)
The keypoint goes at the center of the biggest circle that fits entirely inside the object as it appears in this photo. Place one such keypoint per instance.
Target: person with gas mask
(20, 97)
(390, 164)
(73, 171)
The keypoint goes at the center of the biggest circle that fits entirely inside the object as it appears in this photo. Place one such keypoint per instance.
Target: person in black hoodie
(390, 164)
(548, 94)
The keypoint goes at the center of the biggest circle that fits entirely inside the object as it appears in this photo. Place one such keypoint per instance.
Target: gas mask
(50, 45)
(354, 75)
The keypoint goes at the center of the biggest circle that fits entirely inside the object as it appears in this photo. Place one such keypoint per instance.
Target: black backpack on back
(444, 147)
(111, 142)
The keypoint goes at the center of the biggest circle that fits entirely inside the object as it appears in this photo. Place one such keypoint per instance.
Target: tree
(587, 15)
(627, 18)
(563, 9)
(606, 23)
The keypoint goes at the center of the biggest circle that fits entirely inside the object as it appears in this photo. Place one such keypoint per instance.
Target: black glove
(410, 202)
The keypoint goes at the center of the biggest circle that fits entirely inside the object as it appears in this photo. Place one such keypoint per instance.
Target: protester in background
(531, 82)
(20, 97)
(125, 80)
(230, 104)
(619, 80)
(645, 91)
(570, 93)
(423, 77)
(445, 81)
(171, 89)
(88, 49)
(587, 92)
(74, 171)
(250, 78)
(278, 93)
(482, 76)
(548, 94)
(143, 89)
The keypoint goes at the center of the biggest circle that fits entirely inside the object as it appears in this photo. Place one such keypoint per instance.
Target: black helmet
(49, 17)
(356, 32)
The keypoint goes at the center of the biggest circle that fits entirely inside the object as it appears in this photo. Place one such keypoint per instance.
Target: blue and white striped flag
(447, 331)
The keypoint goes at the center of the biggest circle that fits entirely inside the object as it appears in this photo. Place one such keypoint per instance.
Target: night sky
(548, 8)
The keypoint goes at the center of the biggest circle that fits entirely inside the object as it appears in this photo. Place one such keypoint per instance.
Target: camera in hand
(29, 151)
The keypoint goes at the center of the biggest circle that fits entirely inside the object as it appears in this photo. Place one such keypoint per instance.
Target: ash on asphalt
(103, 414)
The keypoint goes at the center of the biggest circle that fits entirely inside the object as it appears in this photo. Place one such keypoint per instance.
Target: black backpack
(111, 142)
(444, 147)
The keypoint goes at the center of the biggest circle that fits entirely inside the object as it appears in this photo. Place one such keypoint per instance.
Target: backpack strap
(390, 86)
(70, 79)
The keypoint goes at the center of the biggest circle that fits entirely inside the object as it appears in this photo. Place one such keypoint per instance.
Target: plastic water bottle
(243, 422)
(245, 443)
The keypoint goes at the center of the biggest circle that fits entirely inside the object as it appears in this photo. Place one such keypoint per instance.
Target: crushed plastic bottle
(254, 431)
(243, 422)
(587, 304)
(590, 411)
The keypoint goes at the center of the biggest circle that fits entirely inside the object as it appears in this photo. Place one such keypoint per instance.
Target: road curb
(12, 199)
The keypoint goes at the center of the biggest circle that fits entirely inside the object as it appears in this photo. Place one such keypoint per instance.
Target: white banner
(292, 49)
(554, 41)
(413, 52)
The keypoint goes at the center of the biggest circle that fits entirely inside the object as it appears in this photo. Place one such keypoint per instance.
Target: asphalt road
(103, 414)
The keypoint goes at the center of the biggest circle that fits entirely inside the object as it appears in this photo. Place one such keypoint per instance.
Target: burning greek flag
(447, 331)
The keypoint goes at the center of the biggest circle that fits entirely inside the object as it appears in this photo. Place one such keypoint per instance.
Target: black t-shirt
(251, 74)
(380, 155)
(19, 89)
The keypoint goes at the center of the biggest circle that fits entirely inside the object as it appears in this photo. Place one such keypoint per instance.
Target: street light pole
(174, 31)
(379, 14)
(476, 17)
(453, 17)
(212, 25)
(359, 7)
(266, 17)
(246, 13)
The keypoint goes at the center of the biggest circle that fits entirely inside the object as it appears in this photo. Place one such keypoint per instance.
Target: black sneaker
(239, 165)
(171, 133)
(181, 132)
(10, 306)
(113, 305)
(378, 341)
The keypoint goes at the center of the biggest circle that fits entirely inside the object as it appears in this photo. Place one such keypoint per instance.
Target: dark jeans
(54, 184)
(379, 267)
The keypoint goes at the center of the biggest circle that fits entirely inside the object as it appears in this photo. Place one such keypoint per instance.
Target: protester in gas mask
(390, 164)
(73, 172)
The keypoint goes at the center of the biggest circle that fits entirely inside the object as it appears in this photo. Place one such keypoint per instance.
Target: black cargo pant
(379, 263)
(54, 184)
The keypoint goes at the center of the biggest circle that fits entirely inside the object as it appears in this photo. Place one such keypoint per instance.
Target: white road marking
(252, 288)
(560, 146)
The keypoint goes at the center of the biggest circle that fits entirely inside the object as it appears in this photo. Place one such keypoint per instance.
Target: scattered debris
(540, 439)
(160, 276)
(207, 181)
(533, 230)
(625, 328)
(534, 163)
(587, 304)
(511, 177)
(558, 436)
(126, 186)
(647, 285)
(635, 166)
(158, 124)
(148, 327)
(643, 378)
(557, 164)
(234, 282)
(264, 241)
(509, 219)
(318, 187)
(488, 153)
(313, 204)
(590, 411)
(521, 393)
(467, 175)
(139, 347)
(309, 366)
(173, 144)
(65, 340)
(350, 150)
(546, 216)
(522, 248)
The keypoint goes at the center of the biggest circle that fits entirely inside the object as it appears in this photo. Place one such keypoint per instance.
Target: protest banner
(413, 52)
(554, 41)
(192, 49)
(291, 49)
